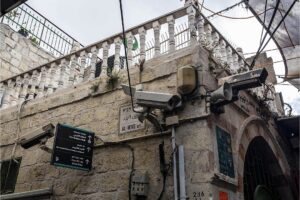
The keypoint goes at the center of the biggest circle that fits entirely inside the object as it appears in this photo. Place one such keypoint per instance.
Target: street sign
(73, 148)
(129, 120)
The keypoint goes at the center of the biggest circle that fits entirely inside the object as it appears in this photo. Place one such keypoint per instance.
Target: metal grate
(30, 23)
(225, 152)
(256, 170)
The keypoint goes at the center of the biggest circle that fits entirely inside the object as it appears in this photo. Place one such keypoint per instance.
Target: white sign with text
(129, 120)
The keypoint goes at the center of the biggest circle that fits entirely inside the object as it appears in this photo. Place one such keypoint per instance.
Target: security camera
(246, 80)
(224, 93)
(153, 100)
(34, 137)
(222, 96)
(163, 101)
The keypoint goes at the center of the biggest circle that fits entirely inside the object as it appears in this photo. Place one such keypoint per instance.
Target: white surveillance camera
(163, 101)
(36, 136)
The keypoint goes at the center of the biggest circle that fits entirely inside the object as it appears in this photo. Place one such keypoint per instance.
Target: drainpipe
(174, 163)
(182, 191)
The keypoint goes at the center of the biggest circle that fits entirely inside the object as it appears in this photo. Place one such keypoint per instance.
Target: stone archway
(261, 168)
(251, 128)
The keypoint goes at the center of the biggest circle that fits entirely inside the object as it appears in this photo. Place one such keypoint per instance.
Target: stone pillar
(63, 68)
(33, 84)
(156, 28)
(118, 43)
(17, 90)
(229, 57)
(129, 37)
(191, 19)
(223, 52)
(201, 32)
(42, 82)
(105, 47)
(216, 46)
(82, 66)
(75, 47)
(52, 78)
(7, 97)
(73, 65)
(2, 37)
(171, 23)
(25, 88)
(208, 34)
(235, 64)
(94, 57)
(142, 34)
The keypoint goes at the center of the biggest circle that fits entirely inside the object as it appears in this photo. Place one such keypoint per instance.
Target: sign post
(73, 148)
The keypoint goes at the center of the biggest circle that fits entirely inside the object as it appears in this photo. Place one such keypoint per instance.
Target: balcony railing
(27, 21)
(72, 68)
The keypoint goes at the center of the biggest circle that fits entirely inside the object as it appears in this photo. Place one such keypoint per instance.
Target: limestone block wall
(94, 106)
(96, 110)
(18, 54)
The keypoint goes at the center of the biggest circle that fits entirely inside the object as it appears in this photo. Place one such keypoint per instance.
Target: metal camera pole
(174, 163)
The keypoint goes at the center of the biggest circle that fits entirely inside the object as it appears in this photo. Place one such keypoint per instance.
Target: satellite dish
(262, 193)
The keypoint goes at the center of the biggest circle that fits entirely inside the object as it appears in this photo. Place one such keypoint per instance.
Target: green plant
(94, 88)
(34, 40)
(113, 79)
(12, 14)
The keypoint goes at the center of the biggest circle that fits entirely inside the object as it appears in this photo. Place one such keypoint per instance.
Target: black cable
(163, 168)
(268, 30)
(282, 19)
(132, 169)
(262, 29)
(164, 186)
(125, 49)
(19, 130)
(132, 161)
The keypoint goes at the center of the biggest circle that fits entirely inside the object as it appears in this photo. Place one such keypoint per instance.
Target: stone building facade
(219, 149)
(18, 54)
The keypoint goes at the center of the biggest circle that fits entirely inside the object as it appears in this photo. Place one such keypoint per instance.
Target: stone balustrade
(81, 65)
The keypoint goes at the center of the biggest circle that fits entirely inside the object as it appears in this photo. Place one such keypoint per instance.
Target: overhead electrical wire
(268, 50)
(265, 35)
(126, 58)
(226, 9)
(262, 29)
(230, 17)
(272, 34)
(282, 20)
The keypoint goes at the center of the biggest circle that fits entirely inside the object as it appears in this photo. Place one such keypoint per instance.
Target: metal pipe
(182, 191)
(174, 164)
(28, 194)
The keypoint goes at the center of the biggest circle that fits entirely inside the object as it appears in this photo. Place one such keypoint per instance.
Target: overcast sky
(89, 21)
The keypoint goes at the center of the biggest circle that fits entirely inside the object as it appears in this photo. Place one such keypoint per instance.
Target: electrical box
(140, 185)
(186, 80)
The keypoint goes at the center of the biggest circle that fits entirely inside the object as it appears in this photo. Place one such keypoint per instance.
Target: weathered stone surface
(98, 111)
(19, 52)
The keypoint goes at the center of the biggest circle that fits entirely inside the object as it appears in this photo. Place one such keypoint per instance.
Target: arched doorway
(261, 168)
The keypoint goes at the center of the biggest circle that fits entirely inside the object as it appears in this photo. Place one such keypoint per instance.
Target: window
(9, 173)
(225, 152)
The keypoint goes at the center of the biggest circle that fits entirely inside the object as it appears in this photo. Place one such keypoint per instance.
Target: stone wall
(97, 111)
(18, 54)
(94, 106)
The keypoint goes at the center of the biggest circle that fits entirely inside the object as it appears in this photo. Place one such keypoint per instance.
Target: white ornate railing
(72, 68)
